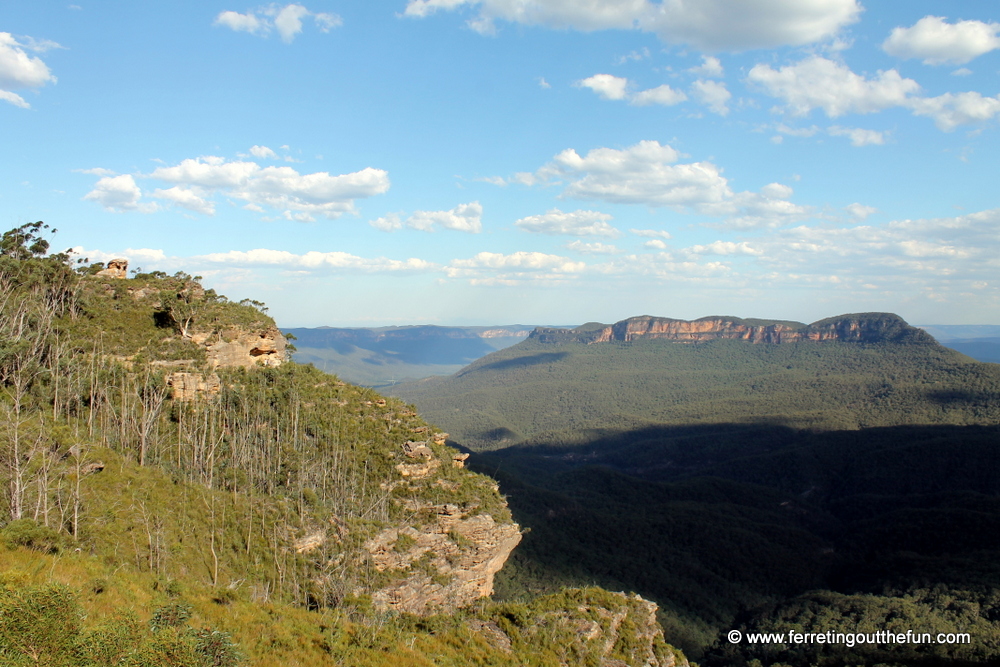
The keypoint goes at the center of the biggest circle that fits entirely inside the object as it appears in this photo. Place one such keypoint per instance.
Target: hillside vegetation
(176, 492)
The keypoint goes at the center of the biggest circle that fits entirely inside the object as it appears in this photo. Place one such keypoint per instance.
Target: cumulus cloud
(610, 87)
(950, 111)
(858, 136)
(119, 194)
(820, 83)
(936, 42)
(712, 94)
(663, 95)
(498, 268)
(315, 260)
(646, 174)
(18, 70)
(462, 218)
(293, 195)
(286, 20)
(710, 66)
(595, 248)
(263, 152)
(860, 211)
(186, 198)
(712, 25)
(724, 248)
(652, 233)
(575, 223)
(928, 250)
(655, 244)
(387, 223)
(607, 86)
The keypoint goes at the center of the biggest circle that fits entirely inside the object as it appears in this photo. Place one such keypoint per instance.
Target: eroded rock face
(190, 386)
(117, 268)
(447, 562)
(246, 349)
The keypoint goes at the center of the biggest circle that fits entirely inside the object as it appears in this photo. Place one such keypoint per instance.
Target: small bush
(29, 534)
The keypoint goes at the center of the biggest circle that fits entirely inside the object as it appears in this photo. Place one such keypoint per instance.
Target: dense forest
(174, 494)
(807, 486)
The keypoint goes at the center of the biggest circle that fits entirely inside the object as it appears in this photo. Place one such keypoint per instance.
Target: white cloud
(248, 22)
(952, 110)
(576, 223)
(962, 71)
(14, 99)
(19, 70)
(937, 42)
(710, 66)
(595, 248)
(752, 210)
(857, 135)
(316, 260)
(645, 174)
(706, 24)
(96, 171)
(655, 244)
(723, 25)
(388, 223)
(712, 94)
(287, 20)
(796, 131)
(463, 218)
(610, 87)
(263, 152)
(607, 86)
(326, 22)
(818, 82)
(652, 233)
(724, 248)
(542, 83)
(118, 194)
(186, 198)
(490, 268)
(664, 95)
(860, 211)
(282, 189)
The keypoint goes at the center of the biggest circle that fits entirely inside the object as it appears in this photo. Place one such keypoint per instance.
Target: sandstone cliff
(858, 328)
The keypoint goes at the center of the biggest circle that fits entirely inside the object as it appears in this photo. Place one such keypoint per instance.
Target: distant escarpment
(855, 328)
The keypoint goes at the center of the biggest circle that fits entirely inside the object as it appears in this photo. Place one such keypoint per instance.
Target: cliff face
(858, 328)
(447, 560)
(237, 348)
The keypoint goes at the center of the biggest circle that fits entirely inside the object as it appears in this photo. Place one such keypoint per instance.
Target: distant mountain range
(384, 356)
(981, 341)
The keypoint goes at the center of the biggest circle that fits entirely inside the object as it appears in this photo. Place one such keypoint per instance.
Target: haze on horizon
(475, 162)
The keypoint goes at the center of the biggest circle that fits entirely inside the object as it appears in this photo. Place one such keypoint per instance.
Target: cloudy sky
(539, 161)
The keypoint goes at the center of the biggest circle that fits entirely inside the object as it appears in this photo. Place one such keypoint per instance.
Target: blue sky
(538, 161)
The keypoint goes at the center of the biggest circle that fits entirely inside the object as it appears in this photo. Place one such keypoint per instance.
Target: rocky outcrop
(446, 561)
(190, 386)
(861, 328)
(237, 348)
(117, 268)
